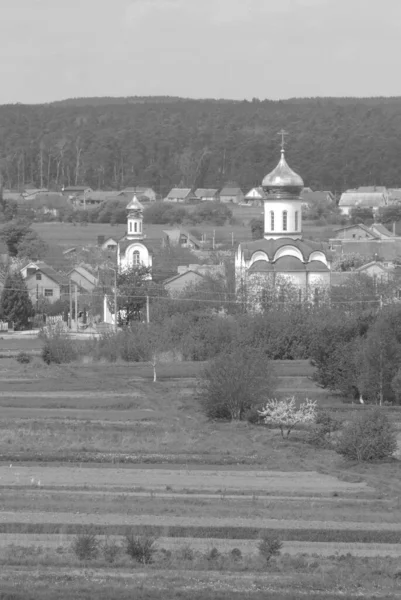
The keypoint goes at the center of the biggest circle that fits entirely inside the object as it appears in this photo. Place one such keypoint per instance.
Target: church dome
(282, 177)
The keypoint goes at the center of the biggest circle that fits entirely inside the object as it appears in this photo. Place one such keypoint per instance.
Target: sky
(56, 49)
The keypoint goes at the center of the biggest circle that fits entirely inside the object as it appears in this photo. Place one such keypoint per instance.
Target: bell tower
(135, 220)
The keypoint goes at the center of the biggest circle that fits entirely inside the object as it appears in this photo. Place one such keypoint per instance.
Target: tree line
(334, 144)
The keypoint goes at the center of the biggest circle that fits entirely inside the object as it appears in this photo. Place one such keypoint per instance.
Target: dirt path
(309, 482)
(68, 518)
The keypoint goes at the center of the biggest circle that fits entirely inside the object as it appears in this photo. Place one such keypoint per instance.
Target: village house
(42, 281)
(255, 196)
(143, 193)
(107, 243)
(231, 193)
(189, 276)
(76, 190)
(357, 199)
(207, 194)
(83, 278)
(180, 237)
(180, 195)
(94, 198)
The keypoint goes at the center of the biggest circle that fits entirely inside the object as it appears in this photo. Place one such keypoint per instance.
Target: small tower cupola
(283, 202)
(135, 220)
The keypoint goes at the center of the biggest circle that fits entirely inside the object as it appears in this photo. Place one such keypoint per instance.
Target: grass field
(101, 447)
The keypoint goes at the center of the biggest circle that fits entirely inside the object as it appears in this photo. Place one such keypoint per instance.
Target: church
(282, 258)
(132, 249)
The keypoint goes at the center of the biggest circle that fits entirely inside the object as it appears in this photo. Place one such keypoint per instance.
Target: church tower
(133, 250)
(135, 220)
(283, 203)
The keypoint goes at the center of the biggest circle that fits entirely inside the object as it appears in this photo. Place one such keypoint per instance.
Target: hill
(335, 143)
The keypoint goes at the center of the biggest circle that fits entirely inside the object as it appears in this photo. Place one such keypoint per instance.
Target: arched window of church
(272, 220)
(135, 258)
(285, 220)
(130, 226)
(296, 220)
(135, 226)
(140, 226)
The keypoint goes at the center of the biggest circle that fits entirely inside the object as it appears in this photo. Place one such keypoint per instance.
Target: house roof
(175, 234)
(372, 188)
(383, 231)
(205, 192)
(317, 196)
(270, 247)
(84, 273)
(262, 194)
(15, 196)
(367, 200)
(180, 193)
(179, 275)
(48, 271)
(100, 196)
(371, 264)
(230, 191)
(77, 188)
(358, 226)
(50, 200)
(138, 190)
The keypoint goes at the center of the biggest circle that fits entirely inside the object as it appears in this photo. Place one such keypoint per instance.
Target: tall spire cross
(283, 133)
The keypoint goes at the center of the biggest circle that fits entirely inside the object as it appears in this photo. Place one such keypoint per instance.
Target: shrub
(23, 358)
(185, 553)
(234, 382)
(253, 417)
(285, 415)
(140, 548)
(269, 546)
(369, 436)
(327, 422)
(59, 349)
(110, 549)
(236, 554)
(85, 546)
(212, 554)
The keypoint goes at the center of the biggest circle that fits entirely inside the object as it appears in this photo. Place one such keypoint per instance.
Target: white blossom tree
(285, 414)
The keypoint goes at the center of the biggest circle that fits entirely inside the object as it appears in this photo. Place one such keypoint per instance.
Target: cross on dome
(283, 133)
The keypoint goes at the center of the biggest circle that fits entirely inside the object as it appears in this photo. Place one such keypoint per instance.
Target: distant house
(382, 232)
(107, 243)
(180, 237)
(180, 195)
(256, 196)
(83, 278)
(207, 194)
(76, 190)
(143, 193)
(176, 285)
(310, 198)
(354, 199)
(43, 281)
(50, 203)
(355, 232)
(394, 196)
(13, 196)
(381, 271)
(91, 198)
(231, 193)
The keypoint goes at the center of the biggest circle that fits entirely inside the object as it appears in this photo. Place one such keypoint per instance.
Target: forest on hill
(111, 143)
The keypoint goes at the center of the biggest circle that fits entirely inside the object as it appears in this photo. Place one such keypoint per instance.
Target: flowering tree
(285, 414)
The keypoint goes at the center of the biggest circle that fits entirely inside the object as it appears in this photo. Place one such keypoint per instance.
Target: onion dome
(135, 204)
(283, 178)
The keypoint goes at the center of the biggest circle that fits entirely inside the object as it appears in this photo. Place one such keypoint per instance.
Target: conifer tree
(15, 303)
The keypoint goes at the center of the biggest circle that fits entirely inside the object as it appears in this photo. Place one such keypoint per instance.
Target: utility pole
(76, 307)
(147, 310)
(232, 239)
(115, 300)
(214, 233)
(70, 305)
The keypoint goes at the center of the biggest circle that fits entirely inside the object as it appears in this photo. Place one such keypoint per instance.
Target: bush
(59, 349)
(269, 546)
(253, 417)
(212, 554)
(140, 548)
(367, 437)
(85, 546)
(236, 554)
(234, 382)
(185, 553)
(110, 549)
(327, 422)
(23, 358)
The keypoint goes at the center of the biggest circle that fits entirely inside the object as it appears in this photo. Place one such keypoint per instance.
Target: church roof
(270, 247)
(282, 176)
(135, 204)
(287, 264)
(261, 266)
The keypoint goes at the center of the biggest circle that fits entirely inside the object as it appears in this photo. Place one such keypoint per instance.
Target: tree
(133, 287)
(257, 229)
(15, 303)
(234, 382)
(361, 214)
(349, 261)
(13, 234)
(285, 414)
(377, 361)
(389, 214)
(369, 436)
(32, 246)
